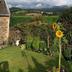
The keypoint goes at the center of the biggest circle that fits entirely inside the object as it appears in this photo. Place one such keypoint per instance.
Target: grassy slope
(30, 62)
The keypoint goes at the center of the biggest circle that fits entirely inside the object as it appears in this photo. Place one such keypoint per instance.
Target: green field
(50, 19)
(19, 19)
(27, 19)
(30, 62)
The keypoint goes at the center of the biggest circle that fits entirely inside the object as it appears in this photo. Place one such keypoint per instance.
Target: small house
(4, 22)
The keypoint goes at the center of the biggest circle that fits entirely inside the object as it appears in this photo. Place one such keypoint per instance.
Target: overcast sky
(39, 2)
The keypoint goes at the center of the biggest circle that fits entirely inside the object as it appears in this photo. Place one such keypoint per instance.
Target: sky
(38, 3)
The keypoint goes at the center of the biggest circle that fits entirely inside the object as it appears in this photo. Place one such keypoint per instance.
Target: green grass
(20, 20)
(50, 19)
(30, 62)
(27, 19)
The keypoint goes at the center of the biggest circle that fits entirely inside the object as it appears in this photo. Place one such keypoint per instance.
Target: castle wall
(4, 29)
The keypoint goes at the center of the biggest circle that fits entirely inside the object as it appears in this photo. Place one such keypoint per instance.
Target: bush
(29, 40)
(67, 53)
(35, 43)
(43, 47)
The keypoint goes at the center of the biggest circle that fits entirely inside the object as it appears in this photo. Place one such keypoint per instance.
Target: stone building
(4, 22)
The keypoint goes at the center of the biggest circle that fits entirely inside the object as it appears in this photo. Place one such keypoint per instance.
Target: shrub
(35, 43)
(43, 47)
(67, 53)
(29, 40)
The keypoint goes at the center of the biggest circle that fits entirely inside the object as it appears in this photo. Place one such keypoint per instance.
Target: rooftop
(4, 10)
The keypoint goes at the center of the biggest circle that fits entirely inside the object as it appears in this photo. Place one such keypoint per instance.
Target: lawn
(30, 62)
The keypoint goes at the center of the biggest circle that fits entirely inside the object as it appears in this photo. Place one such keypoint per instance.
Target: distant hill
(52, 9)
(14, 9)
(55, 10)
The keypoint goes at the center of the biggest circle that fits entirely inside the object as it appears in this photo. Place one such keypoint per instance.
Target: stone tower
(4, 22)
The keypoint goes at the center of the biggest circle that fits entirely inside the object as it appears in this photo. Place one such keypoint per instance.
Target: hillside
(52, 9)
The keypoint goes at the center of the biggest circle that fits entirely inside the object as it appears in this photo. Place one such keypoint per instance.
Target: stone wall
(4, 30)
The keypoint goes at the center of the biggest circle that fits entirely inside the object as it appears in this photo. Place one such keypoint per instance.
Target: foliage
(17, 62)
(54, 47)
(66, 20)
(67, 53)
(53, 62)
(43, 46)
(50, 19)
(23, 46)
(67, 65)
(29, 40)
(15, 20)
(64, 40)
(19, 19)
(35, 43)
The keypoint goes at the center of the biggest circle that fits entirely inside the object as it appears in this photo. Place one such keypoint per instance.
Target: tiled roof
(4, 11)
